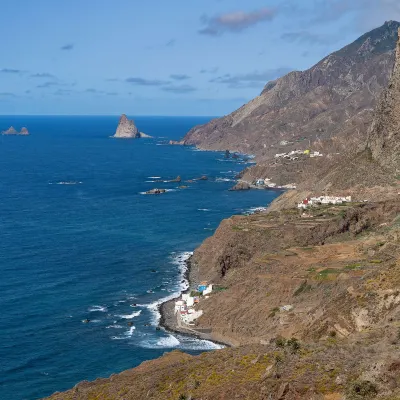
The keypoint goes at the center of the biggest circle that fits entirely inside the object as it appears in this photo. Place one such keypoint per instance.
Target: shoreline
(169, 321)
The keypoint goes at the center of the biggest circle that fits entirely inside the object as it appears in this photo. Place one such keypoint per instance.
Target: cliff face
(384, 135)
(333, 98)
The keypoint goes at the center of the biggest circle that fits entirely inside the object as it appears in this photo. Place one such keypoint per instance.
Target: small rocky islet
(11, 131)
(127, 129)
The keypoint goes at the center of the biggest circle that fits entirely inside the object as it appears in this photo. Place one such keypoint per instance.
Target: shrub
(361, 390)
(303, 288)
(280, 342)
(294, 345)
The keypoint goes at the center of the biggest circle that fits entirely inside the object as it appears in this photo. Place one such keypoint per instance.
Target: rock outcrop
(334, 99)
(384, 135)
(128, 130)
(13, 131)
(241, 185)
(156, 191)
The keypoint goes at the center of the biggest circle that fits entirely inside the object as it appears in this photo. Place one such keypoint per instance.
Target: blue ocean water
(92, 248)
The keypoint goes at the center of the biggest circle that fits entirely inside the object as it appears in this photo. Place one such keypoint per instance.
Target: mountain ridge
(334, 98)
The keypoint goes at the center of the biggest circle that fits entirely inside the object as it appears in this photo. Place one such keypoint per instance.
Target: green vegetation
(303, 288)
(194, 293)
(273, 312)
(280, 342)
(352, 267)
(294, 345)
(376, 261)
(325, 274)
(362, 390)
(219, 288)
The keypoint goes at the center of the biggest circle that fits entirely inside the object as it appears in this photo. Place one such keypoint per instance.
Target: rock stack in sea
(128, 130)
(12, 131)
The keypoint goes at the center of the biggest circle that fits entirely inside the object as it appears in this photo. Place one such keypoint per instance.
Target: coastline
(169, 321)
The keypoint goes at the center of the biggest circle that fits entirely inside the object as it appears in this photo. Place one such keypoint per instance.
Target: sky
(159, 57)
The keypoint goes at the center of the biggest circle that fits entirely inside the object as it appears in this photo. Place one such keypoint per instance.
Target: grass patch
(303, 288)
(328, 273)
(352, 267)
(376, 261)
(273, 312)
(237, 228)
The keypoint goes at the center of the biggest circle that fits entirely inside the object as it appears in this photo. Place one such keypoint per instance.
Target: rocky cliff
(334, 98)
(13, 131)
(127, 129)
(384, 135)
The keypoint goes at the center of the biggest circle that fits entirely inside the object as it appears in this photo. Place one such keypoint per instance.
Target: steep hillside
(384, 134)
(334, 98)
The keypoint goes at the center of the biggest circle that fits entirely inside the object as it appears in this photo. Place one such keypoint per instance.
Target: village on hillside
(185, 305)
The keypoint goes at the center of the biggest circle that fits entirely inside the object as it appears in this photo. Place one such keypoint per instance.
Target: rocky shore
(169, 319)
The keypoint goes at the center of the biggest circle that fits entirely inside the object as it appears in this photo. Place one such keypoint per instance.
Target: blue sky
(158, 57)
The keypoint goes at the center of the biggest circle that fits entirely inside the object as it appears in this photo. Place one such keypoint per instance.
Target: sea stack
(384, 134)
(12, 131)
(128, 130)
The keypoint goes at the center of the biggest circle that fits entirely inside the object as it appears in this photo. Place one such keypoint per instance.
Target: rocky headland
(308, 292)
(13, 131)
(128, 130)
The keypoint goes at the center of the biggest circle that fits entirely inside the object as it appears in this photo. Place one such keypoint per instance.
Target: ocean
(80, 241)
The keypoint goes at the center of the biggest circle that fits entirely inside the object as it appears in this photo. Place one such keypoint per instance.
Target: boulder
(241, 186)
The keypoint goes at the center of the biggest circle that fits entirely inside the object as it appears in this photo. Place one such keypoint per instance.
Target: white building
(208, 290)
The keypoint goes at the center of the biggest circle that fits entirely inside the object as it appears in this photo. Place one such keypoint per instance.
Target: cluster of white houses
(267, 183)
(312, 201)
(294, 154)
(184, 307)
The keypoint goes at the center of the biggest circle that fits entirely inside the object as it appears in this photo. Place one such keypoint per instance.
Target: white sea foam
(224, 180)
(154, 177)
(116, 326)
(254, 210)
(180, 260)
(169, 341)
(128, 334)
(130, 316)
(67, 183)
(181, 342)
(203, 209)
(97, 309)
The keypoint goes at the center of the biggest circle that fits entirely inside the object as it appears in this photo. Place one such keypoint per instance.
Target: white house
(208, 290)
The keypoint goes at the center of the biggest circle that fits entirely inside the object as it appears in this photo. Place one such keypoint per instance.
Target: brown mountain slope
(334, 98)
(338, 271)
